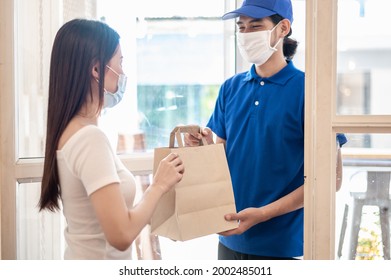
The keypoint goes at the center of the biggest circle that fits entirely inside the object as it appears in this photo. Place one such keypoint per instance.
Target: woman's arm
(120, 225)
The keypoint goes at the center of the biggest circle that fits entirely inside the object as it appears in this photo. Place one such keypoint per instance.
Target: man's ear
(95, 71)
(285, 26)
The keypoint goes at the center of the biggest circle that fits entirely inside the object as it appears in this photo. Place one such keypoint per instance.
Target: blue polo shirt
(262, 121)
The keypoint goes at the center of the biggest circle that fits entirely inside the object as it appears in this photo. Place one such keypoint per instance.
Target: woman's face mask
(255, 46)
(111, 99)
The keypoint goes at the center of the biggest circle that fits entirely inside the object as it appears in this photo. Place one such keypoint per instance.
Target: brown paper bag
(196, 206)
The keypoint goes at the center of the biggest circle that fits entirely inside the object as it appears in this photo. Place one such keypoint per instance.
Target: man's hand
(194, 139)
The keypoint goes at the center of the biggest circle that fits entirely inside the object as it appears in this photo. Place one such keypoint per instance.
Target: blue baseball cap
(263, 8)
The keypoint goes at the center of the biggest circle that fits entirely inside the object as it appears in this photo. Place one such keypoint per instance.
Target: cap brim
(250, 11)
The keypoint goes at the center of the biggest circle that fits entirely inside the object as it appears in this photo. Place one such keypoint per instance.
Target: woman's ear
(95, 72)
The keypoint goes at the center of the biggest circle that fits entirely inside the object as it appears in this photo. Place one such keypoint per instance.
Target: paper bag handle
(176, 133)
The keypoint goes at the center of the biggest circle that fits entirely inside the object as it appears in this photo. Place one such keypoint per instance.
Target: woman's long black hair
(79, 45)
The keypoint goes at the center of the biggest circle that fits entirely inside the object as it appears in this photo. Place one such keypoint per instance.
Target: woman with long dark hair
(82, 173)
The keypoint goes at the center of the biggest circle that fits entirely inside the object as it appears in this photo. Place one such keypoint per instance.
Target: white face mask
(255, 46)
(113, 98)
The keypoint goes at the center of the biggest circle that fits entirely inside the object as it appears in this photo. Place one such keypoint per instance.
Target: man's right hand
(194, 139)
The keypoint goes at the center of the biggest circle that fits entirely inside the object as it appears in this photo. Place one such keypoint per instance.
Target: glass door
(363, 68)
(348, 94)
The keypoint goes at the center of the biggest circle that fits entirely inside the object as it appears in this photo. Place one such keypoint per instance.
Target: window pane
(36, 24)
(31, 56)
(364, 58)
(362, 224)
(39, 234)
(174, 55)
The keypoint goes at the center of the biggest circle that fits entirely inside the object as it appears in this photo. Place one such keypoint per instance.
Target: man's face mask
(255, 46)
(111, 99)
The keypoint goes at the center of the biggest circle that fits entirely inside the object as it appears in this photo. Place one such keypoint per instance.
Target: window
(353, 51)
(176, 57)
(363, 66)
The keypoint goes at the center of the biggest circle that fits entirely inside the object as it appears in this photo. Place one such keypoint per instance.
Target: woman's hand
(169, 172)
